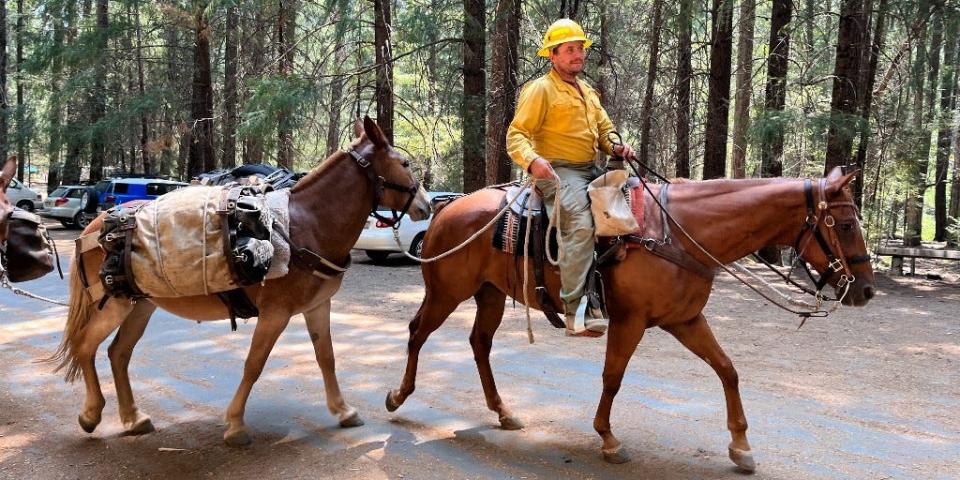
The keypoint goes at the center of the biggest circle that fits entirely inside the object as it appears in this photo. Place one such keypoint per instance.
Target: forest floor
(866, 393)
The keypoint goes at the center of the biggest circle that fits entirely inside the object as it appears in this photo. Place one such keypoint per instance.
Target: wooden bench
(898, 252)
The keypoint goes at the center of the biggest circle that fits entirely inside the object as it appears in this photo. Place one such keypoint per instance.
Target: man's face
(568, 58)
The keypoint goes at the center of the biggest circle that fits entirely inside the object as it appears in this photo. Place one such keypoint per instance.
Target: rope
(5, 283)
(526, 272)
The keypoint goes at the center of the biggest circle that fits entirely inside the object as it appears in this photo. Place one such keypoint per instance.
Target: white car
(23, 196)
(377, 240)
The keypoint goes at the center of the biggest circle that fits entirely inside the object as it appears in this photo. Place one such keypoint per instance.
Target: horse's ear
(357, 128)
(9, 170)
(374, 133)
(837, 180)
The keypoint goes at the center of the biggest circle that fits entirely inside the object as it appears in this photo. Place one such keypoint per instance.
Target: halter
(379, 183)
(820, 213)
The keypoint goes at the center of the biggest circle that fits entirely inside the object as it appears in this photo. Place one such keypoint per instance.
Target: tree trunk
(771, 158)
(336, 84)
(503, 89)
(474, 95)
(945, 129)
(684, 75)
(605, 77)
(718, 97)
(868, 81)
(846, 83)
(201, 157)
(4, 107)
(255, 55)
(286, 27)
(741, 112)
(21, 141)
(98, 98)
(381, 27)
(569, 9)
(652, 63)
(230, 98)
(55, 107)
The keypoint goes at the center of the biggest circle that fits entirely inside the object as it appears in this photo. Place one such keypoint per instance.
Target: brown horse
(729, 218)
(6, 176)
(328, 209)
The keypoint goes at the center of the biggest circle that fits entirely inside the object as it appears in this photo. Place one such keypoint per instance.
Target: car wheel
(377, 255)
(416, 247)
(26, 205)
(80, 220)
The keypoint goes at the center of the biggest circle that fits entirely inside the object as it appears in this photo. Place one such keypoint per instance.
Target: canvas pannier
(29, 253)
(194, 241)
(609, 205)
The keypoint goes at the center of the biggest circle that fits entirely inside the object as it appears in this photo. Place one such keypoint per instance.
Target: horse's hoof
(142, 426)
(509, 422)
(88, 425)
(743, 459)
(353, 420)
(617, 456)
(392, 405)
(237, 438)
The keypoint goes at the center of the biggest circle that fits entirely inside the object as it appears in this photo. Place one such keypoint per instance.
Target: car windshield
(102, 186)
(58, 192)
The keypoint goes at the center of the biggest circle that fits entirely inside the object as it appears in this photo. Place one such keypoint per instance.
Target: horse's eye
(846, 227)
(406, 164)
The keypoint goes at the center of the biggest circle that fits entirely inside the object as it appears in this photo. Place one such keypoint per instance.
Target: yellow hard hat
(562, 31)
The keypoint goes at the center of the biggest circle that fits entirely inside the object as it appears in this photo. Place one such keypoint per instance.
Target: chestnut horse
(729, 218)
(6, 176)
(328, 209)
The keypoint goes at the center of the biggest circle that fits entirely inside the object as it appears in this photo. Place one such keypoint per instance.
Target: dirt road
(867, 393)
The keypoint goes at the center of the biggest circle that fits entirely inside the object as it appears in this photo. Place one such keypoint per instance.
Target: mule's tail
(77, 320)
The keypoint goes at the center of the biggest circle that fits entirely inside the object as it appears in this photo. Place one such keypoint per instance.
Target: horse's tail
(77, 319)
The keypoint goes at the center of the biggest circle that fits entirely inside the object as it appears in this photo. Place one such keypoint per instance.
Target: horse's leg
(134, 421)
(489, 315)
(318, 324)
(97, 329)
(622, 340)
(433, 311)
(269, 326)
(698, 338)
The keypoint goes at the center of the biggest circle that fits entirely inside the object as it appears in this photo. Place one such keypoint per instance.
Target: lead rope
(526, 271)
(5, 283)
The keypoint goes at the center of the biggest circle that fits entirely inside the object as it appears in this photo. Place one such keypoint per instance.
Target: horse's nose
(868, 292)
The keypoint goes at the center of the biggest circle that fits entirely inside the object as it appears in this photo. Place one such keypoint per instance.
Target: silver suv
(23, 196)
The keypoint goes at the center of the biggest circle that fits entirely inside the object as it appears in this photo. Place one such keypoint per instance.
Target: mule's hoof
(88, 425)
(743, 459)
(142, 426)
(353, 420)
(392, 405)
(617, 456)
(509, 422)
(237, 438)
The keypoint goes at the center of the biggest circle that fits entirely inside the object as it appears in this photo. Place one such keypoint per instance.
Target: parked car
(66, 204)
(376, 239)
(121, 190)
(23, 196)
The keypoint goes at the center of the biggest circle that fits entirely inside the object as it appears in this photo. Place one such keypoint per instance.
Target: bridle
(820, 214)
(379, 184)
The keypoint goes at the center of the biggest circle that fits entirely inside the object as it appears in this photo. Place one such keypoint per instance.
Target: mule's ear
(9, 170)
(837, 180)
(374, 133)
(357, 128)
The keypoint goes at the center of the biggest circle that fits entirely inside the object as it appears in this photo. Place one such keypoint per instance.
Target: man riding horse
(558, 127)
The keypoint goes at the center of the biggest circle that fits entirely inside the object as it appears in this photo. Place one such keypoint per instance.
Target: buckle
(836, 265)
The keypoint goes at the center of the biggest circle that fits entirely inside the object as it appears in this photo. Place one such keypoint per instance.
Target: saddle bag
(29, 253)
(610, 205)
(193, 241)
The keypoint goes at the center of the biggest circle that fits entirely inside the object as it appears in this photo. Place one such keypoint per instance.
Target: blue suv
(121, 190)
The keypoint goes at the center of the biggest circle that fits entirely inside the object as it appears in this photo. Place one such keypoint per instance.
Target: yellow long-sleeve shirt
(555, 122)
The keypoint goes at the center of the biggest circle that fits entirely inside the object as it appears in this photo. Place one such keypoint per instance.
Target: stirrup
(592, 327)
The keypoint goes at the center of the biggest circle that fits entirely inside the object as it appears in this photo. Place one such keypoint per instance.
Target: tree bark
(230, 98)
(945, 129)
(336, 84)
(286, 27)
(382, 25)
(605, 77)
(21, 141)
(474, 95)
(846, 81)
(652, 64)
(98, 98)
(917, 164)
(148, 167)
(201, 157)
(741, 112)
(255, 54)
(718, 97)
(569, 9)
(771, 158)
(4, 107)
(684, 75)
(503, 89)
(867, 84)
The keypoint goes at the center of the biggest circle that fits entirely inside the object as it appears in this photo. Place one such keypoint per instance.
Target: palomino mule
(729, 218)
(6, 176)
(328, 209)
